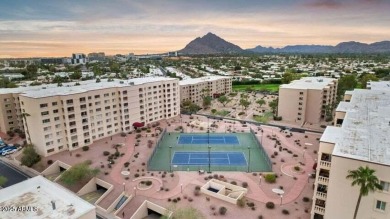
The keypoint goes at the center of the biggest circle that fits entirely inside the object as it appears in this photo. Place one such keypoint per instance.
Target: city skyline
(47, 28)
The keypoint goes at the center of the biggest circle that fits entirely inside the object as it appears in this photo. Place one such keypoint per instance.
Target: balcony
(323, 180)
(321, 195)
(324, 163)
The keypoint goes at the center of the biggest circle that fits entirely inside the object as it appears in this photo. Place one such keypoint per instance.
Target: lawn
(267, 87)
(263, 119)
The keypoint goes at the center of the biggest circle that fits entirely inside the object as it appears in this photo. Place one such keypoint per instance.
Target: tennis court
(202, 158)
(190, 152)
(208, 139)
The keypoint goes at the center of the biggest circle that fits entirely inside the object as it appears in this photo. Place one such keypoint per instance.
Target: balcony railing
(319, 210)
(323, 179)
(325, 163)
(321, 195)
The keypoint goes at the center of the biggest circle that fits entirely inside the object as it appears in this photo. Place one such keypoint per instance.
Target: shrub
(190, 199)
(208, 199)
(245, 184)
(106, 153)
(126, 164)
(49, 162)
(285, 212)
(78, 155)
(197, 188)
(172, 175)
(222, 210)
(169, 200)
(85, 148)
(233, 182)
(123, 134)
(260, 217)
(148, 183)
(297, 168)
(305, 199)
(136, 175)
(30, 156)
(275, 153)
(270, 178)
(196, 193)
(270, 205)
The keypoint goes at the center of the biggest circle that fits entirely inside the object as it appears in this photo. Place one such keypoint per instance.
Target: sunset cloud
(58, 28)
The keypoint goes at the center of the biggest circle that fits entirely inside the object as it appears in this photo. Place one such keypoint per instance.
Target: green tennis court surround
(201, 151)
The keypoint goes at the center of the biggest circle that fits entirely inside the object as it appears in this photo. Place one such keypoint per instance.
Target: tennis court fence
(263, 153)
(158, 143)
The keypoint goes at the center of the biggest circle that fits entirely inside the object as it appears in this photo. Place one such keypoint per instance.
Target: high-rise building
(78, 58)
(96, 56)
(67, 117)
(194, 89)
(306, 100)
(360, 138)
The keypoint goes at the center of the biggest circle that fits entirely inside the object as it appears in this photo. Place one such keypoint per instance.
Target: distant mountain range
(213, 44)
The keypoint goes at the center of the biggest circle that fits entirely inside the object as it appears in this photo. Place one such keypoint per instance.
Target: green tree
(274, 106)
(244, 103)
(76, 75)
(213, 111)
(3, 180)
(224, 100)
(289, 76)
(189, 107)
(347, 82)
(30, 156)
(206, 101)
(78, 173)
(261, 102)
(366, 78)
(5, 83)
(366, 179)
(31, 71)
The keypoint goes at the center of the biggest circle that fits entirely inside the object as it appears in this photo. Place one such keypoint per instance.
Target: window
(385, 186)
(97, 96)
(43, 105)
(55, 111)
(54, 103)
(46, 121)
(69, 101)
(50, 150)
(380, 205)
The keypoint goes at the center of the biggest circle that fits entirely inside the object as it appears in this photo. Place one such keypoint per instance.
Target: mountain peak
(210, 44)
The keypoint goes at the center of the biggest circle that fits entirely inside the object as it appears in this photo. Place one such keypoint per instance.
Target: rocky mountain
(344, 47)
(210, 44)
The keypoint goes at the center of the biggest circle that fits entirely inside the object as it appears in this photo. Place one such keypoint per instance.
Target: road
(12, 174)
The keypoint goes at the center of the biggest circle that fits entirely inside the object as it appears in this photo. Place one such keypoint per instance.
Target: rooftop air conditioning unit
(131, 83)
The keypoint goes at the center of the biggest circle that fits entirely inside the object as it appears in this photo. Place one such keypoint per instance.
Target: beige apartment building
(360, 137)
(71, 116)
(194, 89)
(305, 100)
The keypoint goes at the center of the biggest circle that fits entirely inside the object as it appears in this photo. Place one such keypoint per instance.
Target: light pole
(124, 187)
(308, 178)
(170, 157)
(281, 199)
(260, 180)
(181, 188)
(209, 159)
(135, 191)
(304, 151)
(249, 158)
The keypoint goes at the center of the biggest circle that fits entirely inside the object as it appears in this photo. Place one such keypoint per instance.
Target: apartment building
(67, 117)
(194, 89)
(360, 137)
(305, 100)
(41, 198)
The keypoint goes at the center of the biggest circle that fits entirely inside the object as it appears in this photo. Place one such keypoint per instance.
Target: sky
(47, 28)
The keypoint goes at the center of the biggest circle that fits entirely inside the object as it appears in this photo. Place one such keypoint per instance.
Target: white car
(6, 152)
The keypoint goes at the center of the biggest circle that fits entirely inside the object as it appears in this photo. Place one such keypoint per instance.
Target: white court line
(228, 158)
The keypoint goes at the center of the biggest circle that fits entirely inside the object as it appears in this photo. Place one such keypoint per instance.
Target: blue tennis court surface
(216, 158)
(205, 139)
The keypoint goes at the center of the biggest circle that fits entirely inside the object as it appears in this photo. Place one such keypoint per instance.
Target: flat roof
(70, 88)
(202, 79)
(378, 85)
(331, 134)
(39, 192)
(314, 83)
(365, 132)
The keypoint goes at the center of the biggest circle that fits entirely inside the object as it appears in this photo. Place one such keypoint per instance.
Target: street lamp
(209, 159)
(308, 178)
(249, 158)
(260, 180)
(304, 151)
(281, 199)
(181, 188)
(170, 158)
(135, 191)
(124, 186)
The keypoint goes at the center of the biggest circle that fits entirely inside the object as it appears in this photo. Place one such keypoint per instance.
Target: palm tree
(366, 179)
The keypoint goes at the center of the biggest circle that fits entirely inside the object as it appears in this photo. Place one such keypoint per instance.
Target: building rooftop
(332, 134)
(365, 132)
(313, 83)
(378, 85)
(39, 192)
(70, 88)
(202, 79)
